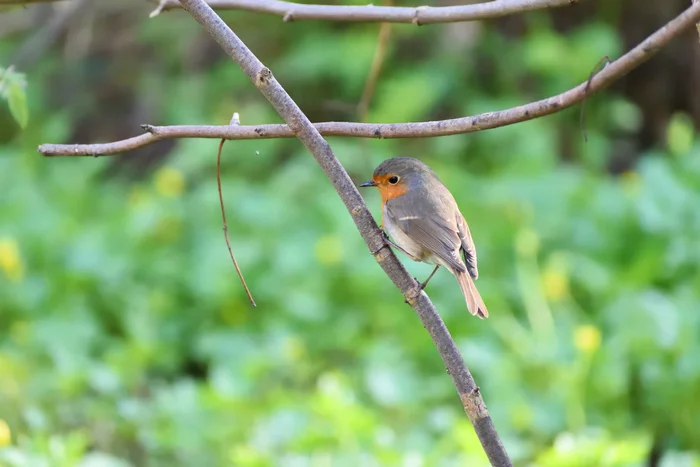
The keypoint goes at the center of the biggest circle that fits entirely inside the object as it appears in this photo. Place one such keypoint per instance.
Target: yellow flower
(5, 433)
(555, 279)
(10, 261)
(587, 338)
(329, 250)
(169, 182)
(556, 285)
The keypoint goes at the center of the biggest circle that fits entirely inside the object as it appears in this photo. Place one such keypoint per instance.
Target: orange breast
(388, 191)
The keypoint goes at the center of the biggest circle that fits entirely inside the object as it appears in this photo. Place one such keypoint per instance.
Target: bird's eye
(394, 180)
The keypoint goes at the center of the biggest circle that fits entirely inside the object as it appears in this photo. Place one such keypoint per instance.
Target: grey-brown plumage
(422, 217)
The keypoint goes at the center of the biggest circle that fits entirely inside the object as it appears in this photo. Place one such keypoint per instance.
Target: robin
(421, 216)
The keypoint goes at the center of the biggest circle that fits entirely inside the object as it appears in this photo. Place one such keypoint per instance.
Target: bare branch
(374, 70)
(697, 25)
(23, 2)
(485, 121)
(39, 42)
(290, 11)
(304, 130)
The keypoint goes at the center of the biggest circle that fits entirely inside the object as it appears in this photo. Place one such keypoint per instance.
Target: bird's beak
(369, 183)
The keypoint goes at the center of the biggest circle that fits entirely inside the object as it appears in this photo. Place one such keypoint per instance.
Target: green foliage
(127, 339)
(12, 89)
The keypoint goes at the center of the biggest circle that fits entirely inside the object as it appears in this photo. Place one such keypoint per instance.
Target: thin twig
(375, 68)
(265, 82)
(612, 72)
(373, 75)
(39, 42)
(697, 25)
(290, 11)
(234, 121)
(23, 2)
(158, 10)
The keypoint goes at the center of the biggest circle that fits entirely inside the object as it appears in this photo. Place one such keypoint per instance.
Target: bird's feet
(387, 242)
(413, 294)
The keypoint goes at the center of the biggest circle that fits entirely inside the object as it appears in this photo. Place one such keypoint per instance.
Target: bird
(422, 218)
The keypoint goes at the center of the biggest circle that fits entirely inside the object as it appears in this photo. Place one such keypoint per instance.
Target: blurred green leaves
(680, 134)
(132, 296)
(12, 89)
(595, 447)
(127, 339)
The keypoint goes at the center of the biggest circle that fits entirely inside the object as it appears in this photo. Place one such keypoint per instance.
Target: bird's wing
(468, 247)
(417, 216)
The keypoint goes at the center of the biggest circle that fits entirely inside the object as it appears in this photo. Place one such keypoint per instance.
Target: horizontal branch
(23, 2)
(485, 121)
(290, 11)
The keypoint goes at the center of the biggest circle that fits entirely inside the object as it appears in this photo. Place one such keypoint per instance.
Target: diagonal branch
(321, 150)
(612, 72)
(290, 11)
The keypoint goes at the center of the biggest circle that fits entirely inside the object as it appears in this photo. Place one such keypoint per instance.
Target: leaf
(17, 99)
(680, 134)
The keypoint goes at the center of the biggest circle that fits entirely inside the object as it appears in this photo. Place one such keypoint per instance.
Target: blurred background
(127, 340)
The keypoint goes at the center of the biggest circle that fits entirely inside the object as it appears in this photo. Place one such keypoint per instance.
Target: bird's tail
(475, 304)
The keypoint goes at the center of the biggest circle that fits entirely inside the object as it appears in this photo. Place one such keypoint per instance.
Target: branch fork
(298, 125)
(600, 80)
